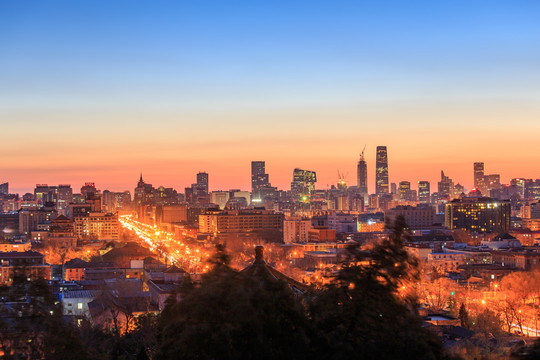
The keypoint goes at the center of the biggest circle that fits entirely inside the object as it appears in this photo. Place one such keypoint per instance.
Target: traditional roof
(61, 218)
(174, 270)
(504, 236)
(131, 249)
(260, 269)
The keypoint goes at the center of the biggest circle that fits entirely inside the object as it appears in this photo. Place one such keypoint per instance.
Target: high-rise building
(479, 181)
(41, 194)
(361, 172)
(480, 215)
(4, 188)
(63, 198)
(98, 226)
(219, 198)
(259, 180)
(202, 182)
(381, 176)
(519, 185)
(258, 168)
(458, 190)
(404, 187)
(239, 225)
(89, 189)
(424, 192)
(532, 189)
(492, 182)
(445, 186)
(142, 195)
(303, 182)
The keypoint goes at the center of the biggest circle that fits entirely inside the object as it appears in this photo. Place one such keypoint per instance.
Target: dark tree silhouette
(359, 315)
(464, 316)
(234, 316)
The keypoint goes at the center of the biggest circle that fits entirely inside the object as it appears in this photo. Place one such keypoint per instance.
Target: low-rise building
(473, 255)
(527, 259)
(420, 251)
(502, 241)
(446, 261)
(74, 269)
(15, 246)
(29, 264)
(321, 234)
(75, 302)
(296, 229)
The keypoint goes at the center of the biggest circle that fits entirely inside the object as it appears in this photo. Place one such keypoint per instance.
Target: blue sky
(201, 72)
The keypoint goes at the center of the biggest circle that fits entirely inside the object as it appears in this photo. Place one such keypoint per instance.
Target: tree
(359, 315)
(62, 340)
(464, 316)
(488, 324)
(390, 259)
(517, 296)
(234, 316)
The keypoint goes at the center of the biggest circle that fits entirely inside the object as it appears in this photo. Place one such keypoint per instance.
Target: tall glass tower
(202, 182)
(381, 176)
(479, 182)
(361, 172)
(259, 178)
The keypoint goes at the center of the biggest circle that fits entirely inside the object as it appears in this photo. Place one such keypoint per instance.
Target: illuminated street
(165, 245)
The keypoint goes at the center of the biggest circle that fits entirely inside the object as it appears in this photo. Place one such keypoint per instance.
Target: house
(75, 302)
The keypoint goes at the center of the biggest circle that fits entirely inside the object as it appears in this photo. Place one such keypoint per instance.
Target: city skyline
(282, 183)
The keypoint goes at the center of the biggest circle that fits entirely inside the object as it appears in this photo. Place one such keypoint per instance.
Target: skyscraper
(303, 182)
(258, 168)
(446, 186)
(381, 176)
(202, 182)
(4, 188)
(362, 175)
(64, 198)
(261, 189)
(404, 188)
(259, 178)
(424, 192)
(479, 182)
(41, 194)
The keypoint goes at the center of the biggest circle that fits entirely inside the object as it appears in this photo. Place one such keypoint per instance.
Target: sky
(100, 90)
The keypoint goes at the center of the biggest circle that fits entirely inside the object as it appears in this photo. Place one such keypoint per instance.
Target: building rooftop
(80, 294)
(20, 254)
(260, 269)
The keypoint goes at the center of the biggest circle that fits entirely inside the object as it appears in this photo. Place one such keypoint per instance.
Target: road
(164, 244)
